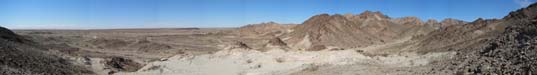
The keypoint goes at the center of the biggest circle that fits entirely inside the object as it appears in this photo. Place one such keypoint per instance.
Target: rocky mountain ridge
(367, 28)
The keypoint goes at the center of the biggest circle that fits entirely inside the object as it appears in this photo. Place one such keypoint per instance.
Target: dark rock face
(9, 35)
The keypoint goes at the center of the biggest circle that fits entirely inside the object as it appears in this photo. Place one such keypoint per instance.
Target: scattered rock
(277, 42)
(507, 54)
(240, 45)
(123, 64)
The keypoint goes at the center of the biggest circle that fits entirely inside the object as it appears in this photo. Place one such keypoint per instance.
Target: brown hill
(264, 29)
(325, 29)
(367, 28)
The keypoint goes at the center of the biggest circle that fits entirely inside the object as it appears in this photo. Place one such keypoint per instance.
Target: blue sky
(97, 14)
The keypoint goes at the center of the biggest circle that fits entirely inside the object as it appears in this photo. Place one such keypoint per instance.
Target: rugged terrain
(369, 43)
(20, 56)
(511, 52)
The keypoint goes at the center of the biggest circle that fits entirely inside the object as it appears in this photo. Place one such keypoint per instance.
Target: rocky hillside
(512, 51)
(23, 57)
(459, 36)
(8, 35)
(325, 29)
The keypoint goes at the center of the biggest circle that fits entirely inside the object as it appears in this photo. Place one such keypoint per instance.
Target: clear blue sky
(88, 14)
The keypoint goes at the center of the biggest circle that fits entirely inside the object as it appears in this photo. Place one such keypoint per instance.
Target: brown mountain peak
(370, 14)
(451, 21)
(324, 18)
(431, 21)
(409, 20)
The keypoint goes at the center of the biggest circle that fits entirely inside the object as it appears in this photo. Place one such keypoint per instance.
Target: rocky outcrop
(278, 42)
(122, 64)
(239, 45)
